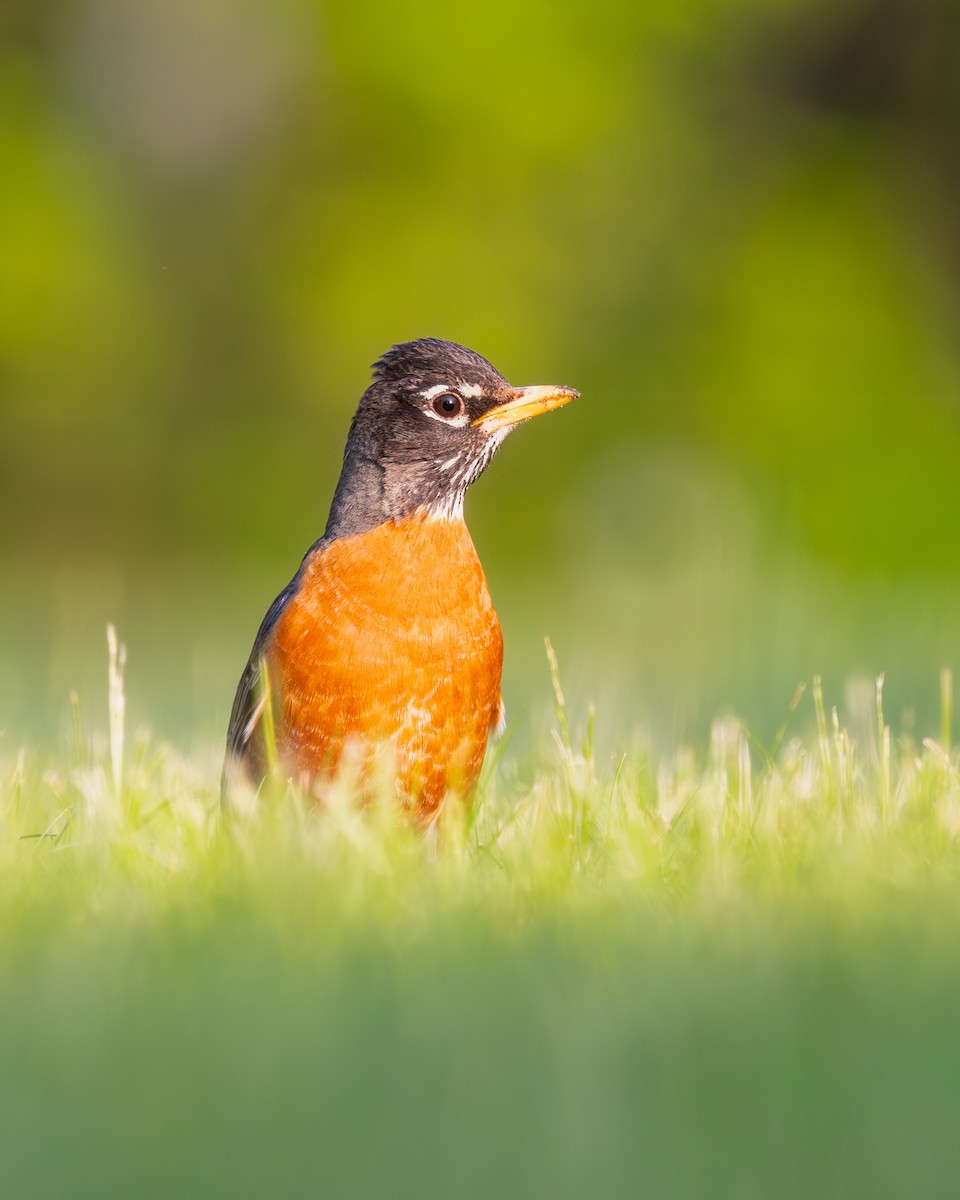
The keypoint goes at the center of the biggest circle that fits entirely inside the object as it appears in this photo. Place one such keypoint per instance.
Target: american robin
(386, 637)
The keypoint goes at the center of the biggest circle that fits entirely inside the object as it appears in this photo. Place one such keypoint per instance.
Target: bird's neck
(371, 492)
(358, 502)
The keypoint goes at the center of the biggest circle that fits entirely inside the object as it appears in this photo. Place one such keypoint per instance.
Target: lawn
(732, 970)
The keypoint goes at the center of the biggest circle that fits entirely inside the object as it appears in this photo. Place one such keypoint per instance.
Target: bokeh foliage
(732, 226)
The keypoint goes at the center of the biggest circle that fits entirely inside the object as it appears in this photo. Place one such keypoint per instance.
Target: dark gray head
(425, 429)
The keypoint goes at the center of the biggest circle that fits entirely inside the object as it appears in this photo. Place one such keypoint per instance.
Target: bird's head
(425, 429)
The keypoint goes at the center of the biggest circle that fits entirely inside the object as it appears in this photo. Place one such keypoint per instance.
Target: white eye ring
(444, 403)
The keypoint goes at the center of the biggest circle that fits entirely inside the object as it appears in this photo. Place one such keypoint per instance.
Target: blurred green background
(733, 226)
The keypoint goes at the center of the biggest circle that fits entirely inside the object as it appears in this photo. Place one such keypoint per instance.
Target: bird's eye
(448, 405)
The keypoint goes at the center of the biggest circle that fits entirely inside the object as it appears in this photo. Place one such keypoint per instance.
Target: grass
(732, 972)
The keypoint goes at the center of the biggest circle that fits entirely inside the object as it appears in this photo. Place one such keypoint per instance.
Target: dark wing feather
(242, 720)
(245, 701)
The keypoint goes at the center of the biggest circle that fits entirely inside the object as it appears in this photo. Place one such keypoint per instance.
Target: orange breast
(391, 641)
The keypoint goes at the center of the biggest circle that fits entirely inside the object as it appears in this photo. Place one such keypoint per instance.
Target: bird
(386, 642)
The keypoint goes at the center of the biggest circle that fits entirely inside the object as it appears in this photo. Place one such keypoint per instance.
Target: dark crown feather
(431, 357)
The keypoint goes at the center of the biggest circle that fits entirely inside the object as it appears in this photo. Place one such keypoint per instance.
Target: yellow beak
(526, 402)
